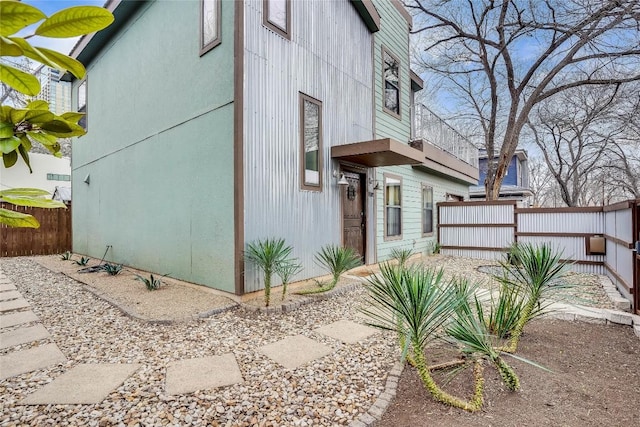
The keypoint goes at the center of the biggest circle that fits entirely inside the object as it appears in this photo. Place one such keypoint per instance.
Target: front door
(353, 213)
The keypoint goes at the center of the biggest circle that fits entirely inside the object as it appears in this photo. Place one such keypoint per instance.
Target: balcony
(429, 128)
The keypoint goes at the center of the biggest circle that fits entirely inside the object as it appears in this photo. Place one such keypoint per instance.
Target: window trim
(84, 82)
(392, 113)
(387, 237)
(303, 185)
(425, 186)
(204, 48)
(286, 33)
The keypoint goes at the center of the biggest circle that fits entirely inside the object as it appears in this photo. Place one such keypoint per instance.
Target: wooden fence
(53, 236)
(486, 230)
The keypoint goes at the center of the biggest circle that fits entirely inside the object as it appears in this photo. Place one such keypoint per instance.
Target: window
(82, 103)
(391, 70)
(311, 143)
(427, 209)
(209, 25)
(393, 207)
(277, 16)
(58, 177)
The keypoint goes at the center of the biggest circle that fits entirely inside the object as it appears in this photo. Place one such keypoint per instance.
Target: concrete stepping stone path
(7, 287)
(9, 295)
(17, 318)
(292, 352)
(14, 304)
(23, 361)
(23, 335)
(346, 331)
(82, 384)
(205, 373)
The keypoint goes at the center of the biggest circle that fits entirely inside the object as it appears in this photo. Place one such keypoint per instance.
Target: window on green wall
(427, 209)
(392, 207)
(277, 16)
(391, 76)
(82, 103)
(209, 25)
(311, 143)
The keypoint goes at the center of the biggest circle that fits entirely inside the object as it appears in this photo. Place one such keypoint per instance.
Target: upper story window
(392, 207)
(82, 103)
(311, 143)
(58, 177)
(209, 25)
(277, 16)
(427, 209)
(391, 76)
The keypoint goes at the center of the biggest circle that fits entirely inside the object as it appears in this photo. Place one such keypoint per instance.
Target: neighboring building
(237, 122)
(48, 173)
(515, 185)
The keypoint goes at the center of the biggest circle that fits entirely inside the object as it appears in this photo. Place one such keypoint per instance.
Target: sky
(49, 7)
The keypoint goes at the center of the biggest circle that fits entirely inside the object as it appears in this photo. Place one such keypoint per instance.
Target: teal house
(214, 123)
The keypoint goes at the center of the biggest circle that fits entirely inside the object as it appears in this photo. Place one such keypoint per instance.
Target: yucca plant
(417, 304)
(267, 255)
(504, 311)
(286, 270)
(536, 274)
(401, 255)
(112, 269)
(66, 256)
(82, 261)
(337, 260)
(152, 283)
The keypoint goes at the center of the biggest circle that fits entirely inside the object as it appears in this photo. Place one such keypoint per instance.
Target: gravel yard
(332, 390)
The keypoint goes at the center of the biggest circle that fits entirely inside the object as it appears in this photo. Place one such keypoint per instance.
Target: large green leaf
(43, 138)
(24, 153)
(38, 104)
(67, 63)
(24, 192)
(75, 21)
(9, 48)
(62, 128)
(72, 117)
(17, 219)
(17, 115)
(7, 145)
(34, 202)
(33, 52)
(19, 80)
(15, 16)
(39, 116)
(6, 130)
(10, 159)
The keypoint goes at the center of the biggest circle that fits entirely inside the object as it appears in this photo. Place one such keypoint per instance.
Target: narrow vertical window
(277, 16)
(82, 103)
(311, 143)
(209, 25)
(393, 206)
(427, 209)
(391, 76)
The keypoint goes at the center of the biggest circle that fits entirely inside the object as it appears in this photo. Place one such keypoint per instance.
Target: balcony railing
(430, 128)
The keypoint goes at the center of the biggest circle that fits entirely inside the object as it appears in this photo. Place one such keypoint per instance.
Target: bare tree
(502, 58)
(541, 182)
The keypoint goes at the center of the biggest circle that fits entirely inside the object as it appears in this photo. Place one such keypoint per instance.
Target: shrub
(152, 283)
(66, 256)
(337, 260)
(83, 261)
(112, 269)
(402, 255)
(267, 255)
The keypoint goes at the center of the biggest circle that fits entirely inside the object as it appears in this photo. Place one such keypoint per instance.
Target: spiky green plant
(337, 260)
(267, 254)
(66, 256)
(401, 255)
(536, 273)
(504, 310)
(286, 270)
(112, 269)
(152, 283)
(417, 304)
(82, 261)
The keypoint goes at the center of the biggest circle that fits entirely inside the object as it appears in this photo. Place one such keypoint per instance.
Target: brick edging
(375, 412)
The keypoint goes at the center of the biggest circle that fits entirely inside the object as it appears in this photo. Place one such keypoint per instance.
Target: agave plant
(112, 269)
(402, 255)
(536, 275)
(152, 283)
(337, 260)
(286, 270)
(417, 304)
(66, 256)
(267, 255)
(82, 261)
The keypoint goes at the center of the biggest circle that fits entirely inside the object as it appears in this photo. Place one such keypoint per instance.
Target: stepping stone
(4, 296)
(205, 373)
(4, 280)
(82, 384)
(14, 304)
(19, 362)
(7, 287)
(292, 352)
(346, 331)
(17, 318)
(23, 335)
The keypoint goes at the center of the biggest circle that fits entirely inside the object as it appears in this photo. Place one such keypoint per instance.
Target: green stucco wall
(159, 149)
